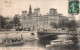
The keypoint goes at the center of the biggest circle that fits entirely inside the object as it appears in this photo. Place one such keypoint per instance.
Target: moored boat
(12, 41)
(60, 42)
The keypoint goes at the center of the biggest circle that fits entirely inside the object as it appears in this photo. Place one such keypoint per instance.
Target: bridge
(51, 34)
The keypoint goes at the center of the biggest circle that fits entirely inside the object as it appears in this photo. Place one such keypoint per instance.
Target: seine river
(41, 45)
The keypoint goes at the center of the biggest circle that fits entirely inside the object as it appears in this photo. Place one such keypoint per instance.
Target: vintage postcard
(39, 24)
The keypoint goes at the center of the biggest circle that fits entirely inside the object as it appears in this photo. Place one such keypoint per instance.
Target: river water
(41, 45)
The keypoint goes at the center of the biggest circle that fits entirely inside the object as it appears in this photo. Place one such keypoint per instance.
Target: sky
(12, 7)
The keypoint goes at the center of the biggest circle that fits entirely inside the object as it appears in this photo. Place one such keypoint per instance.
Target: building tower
(37, 11)
(53, 11)
(30, 10)
(24, 14)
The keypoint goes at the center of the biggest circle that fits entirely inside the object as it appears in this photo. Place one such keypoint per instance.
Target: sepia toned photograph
(39, 24)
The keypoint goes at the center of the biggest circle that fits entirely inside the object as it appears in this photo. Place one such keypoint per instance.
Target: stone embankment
(27, 35)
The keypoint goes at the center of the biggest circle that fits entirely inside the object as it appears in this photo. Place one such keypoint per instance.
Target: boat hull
(12, 44)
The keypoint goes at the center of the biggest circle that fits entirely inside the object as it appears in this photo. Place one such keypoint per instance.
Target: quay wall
(27, 35)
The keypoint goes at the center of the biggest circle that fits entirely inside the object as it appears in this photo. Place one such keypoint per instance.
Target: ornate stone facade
(38, 21)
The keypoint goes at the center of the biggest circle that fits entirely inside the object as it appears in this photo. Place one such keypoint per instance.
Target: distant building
(24, 14)
(30, 11)
(37, 12)
(71, 17)
(53, 11)
(37, 21)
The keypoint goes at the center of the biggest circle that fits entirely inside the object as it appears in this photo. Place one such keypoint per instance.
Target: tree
(63, 24)
(8, 24)
(2, 22)
(16, 21)
(72, 25)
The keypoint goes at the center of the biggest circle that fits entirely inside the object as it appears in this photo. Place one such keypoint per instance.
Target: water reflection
(41, 44)
(64, 48)
(75, 46)
(32, 44)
